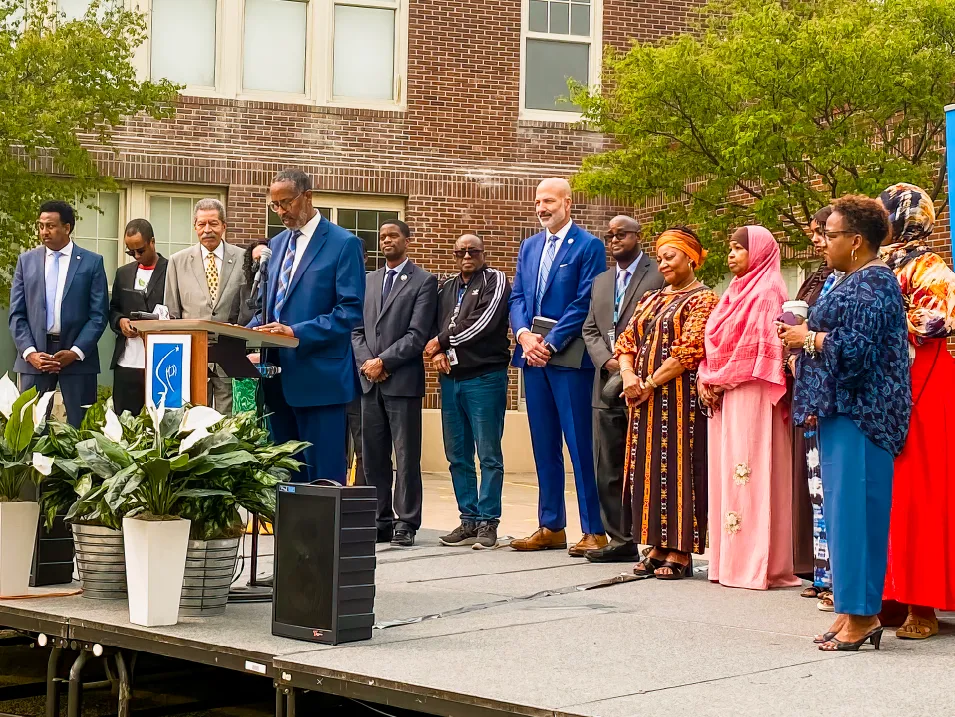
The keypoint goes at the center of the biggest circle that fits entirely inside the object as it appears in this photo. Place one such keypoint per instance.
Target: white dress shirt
(632, 268)
(301, 244)
(66, 254)
(134, 354)
(219, 253)
(561, 234)
(398, 269)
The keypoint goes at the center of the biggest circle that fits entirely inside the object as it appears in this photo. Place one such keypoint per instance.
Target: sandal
(826, 603)
(648, 564)
(917, 628)
(824, 637)
(678, 571)
(811, 592)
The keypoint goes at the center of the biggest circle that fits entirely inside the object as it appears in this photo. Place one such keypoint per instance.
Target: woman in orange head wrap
(665, 462)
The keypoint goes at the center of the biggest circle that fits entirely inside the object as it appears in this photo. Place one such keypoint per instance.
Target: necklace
(677, 290)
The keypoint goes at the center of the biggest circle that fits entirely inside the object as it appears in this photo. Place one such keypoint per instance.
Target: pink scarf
(741, 341)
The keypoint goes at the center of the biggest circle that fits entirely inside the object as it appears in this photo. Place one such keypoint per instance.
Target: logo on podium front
(168, 359)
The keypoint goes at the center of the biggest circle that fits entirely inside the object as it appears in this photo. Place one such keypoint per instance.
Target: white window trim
(596, 60)
(376, 202)
(230, 29)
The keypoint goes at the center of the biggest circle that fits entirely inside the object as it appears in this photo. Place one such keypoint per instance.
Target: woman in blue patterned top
(853, 376)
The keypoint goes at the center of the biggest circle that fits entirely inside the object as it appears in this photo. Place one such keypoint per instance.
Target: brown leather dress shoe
(543, 539)
(588, 542)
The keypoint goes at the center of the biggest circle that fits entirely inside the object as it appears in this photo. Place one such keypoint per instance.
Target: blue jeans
(472, 415)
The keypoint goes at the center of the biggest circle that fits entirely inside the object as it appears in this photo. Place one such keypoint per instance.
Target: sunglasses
(136, 252)
(618, 235)
(461, 253)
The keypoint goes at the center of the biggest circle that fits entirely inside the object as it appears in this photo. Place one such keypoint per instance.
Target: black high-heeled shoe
(824, 637)
(874, 635)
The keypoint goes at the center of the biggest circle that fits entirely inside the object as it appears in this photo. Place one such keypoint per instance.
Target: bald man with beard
(614, 298)
(555, 271)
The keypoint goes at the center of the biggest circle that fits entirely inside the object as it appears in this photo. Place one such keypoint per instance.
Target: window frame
(319, 62)
(595, 60)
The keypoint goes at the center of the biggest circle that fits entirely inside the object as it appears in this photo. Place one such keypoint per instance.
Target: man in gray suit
(203, 282)
(614, 297)
(401, 301)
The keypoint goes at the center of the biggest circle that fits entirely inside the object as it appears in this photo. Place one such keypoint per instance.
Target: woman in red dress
(921, 568)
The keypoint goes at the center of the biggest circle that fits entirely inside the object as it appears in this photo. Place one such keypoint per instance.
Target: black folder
(573, 353)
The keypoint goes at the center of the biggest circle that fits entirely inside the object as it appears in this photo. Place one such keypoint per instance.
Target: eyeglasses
(137, 252)
(610, 236)
(461, 253)
(284, 204)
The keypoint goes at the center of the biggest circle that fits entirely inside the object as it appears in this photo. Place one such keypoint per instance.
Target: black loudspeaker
(324, 588)
(53, 556)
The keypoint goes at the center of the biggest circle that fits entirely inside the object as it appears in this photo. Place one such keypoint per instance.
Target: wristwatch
(550, 347)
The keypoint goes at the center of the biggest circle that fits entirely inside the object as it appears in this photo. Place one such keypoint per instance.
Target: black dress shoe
(385, 535)
(621, 553)
(403, 538)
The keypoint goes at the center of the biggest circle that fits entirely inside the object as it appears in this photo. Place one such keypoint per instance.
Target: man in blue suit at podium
(555, 271)
(315, 293)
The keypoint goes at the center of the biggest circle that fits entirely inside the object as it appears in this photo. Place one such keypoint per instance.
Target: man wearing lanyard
(614, 298)
(471, 351)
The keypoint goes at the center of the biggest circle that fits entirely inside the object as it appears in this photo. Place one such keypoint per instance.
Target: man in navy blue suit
(315, 292)
(555, 270)
(59, 306)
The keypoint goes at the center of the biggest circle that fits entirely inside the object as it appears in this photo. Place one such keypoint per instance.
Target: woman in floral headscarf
(741, 380)
(921, 576)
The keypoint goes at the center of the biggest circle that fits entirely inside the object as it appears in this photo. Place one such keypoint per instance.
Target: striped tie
(546, 262)
(285, 278)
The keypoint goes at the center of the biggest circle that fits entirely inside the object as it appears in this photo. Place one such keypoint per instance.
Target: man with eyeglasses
(472, 351)
(204, 282)
(138, 285)
(314, 292)
(58, 309)
(614, 298)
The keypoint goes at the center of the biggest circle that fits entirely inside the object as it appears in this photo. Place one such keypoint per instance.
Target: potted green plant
(23, 419)
(217, 524)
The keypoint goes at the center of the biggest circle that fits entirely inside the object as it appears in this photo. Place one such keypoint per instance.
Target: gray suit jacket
(187, 291)
(599, 319)
(397, 331)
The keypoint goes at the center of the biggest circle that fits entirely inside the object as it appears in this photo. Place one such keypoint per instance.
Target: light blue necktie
(285, 278)
(619, 294)
(52, 281)
(546, 262)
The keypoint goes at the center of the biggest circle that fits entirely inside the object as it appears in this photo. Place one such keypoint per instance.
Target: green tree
(771, 108)
(64, 86)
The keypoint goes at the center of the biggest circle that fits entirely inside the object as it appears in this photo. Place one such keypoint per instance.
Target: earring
(853, 255)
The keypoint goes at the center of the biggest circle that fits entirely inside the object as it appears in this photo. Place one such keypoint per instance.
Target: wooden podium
(212, 342)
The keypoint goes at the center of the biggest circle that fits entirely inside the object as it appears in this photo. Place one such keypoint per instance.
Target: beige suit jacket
(187, 291)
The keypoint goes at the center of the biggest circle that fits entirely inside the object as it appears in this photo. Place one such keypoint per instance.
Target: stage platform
(466, 632)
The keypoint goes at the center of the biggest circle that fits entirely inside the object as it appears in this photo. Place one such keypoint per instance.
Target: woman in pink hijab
(741, 382)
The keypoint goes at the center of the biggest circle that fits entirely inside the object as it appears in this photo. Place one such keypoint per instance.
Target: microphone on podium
(263, 270)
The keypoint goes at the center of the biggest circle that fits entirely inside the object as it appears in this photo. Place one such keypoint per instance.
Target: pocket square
(562, 266)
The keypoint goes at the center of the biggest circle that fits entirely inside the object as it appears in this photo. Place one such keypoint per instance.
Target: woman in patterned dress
(853, 377)
(921, 575)
(665, 463)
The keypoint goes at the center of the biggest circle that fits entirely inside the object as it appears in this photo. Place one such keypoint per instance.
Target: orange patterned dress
(665, 462)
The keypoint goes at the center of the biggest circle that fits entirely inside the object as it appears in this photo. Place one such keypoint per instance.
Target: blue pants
(472, 415)
(857, 484)
(78, 391)
(323, 426)
(558, 405)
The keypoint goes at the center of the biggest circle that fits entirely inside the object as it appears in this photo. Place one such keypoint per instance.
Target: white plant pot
(155, 563)
(18, 525)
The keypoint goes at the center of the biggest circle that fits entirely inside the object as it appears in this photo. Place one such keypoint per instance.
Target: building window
(359, 214)
(274, 54)
(171, 217)
(98, 227)
(364, 58)
(561, 41)
(183, 39)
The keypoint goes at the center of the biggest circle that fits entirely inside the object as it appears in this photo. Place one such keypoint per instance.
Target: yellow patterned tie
(212, 276)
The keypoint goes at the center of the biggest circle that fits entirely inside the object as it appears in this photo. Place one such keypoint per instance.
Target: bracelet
(624, 369)
(650, 382)
(809, 345)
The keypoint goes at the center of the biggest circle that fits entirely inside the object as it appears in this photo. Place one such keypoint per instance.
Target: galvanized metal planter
(210, 568)
(101, 561)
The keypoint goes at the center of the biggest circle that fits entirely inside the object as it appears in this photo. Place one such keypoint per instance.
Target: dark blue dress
(859, 388)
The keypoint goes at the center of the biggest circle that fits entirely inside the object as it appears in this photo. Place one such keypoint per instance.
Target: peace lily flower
(8, 394)
(113, 429)
(192, 439)
(199, 417)
(43, 464)
(42, 408)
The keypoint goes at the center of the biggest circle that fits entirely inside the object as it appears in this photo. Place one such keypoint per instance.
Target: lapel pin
(404, 277)
(570, 241)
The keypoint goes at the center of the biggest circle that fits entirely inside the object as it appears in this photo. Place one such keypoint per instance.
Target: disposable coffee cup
(797, 308)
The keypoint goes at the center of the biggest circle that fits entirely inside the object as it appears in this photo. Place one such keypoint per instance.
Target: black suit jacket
(646, 277)
(397, 331)
(125, 279)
